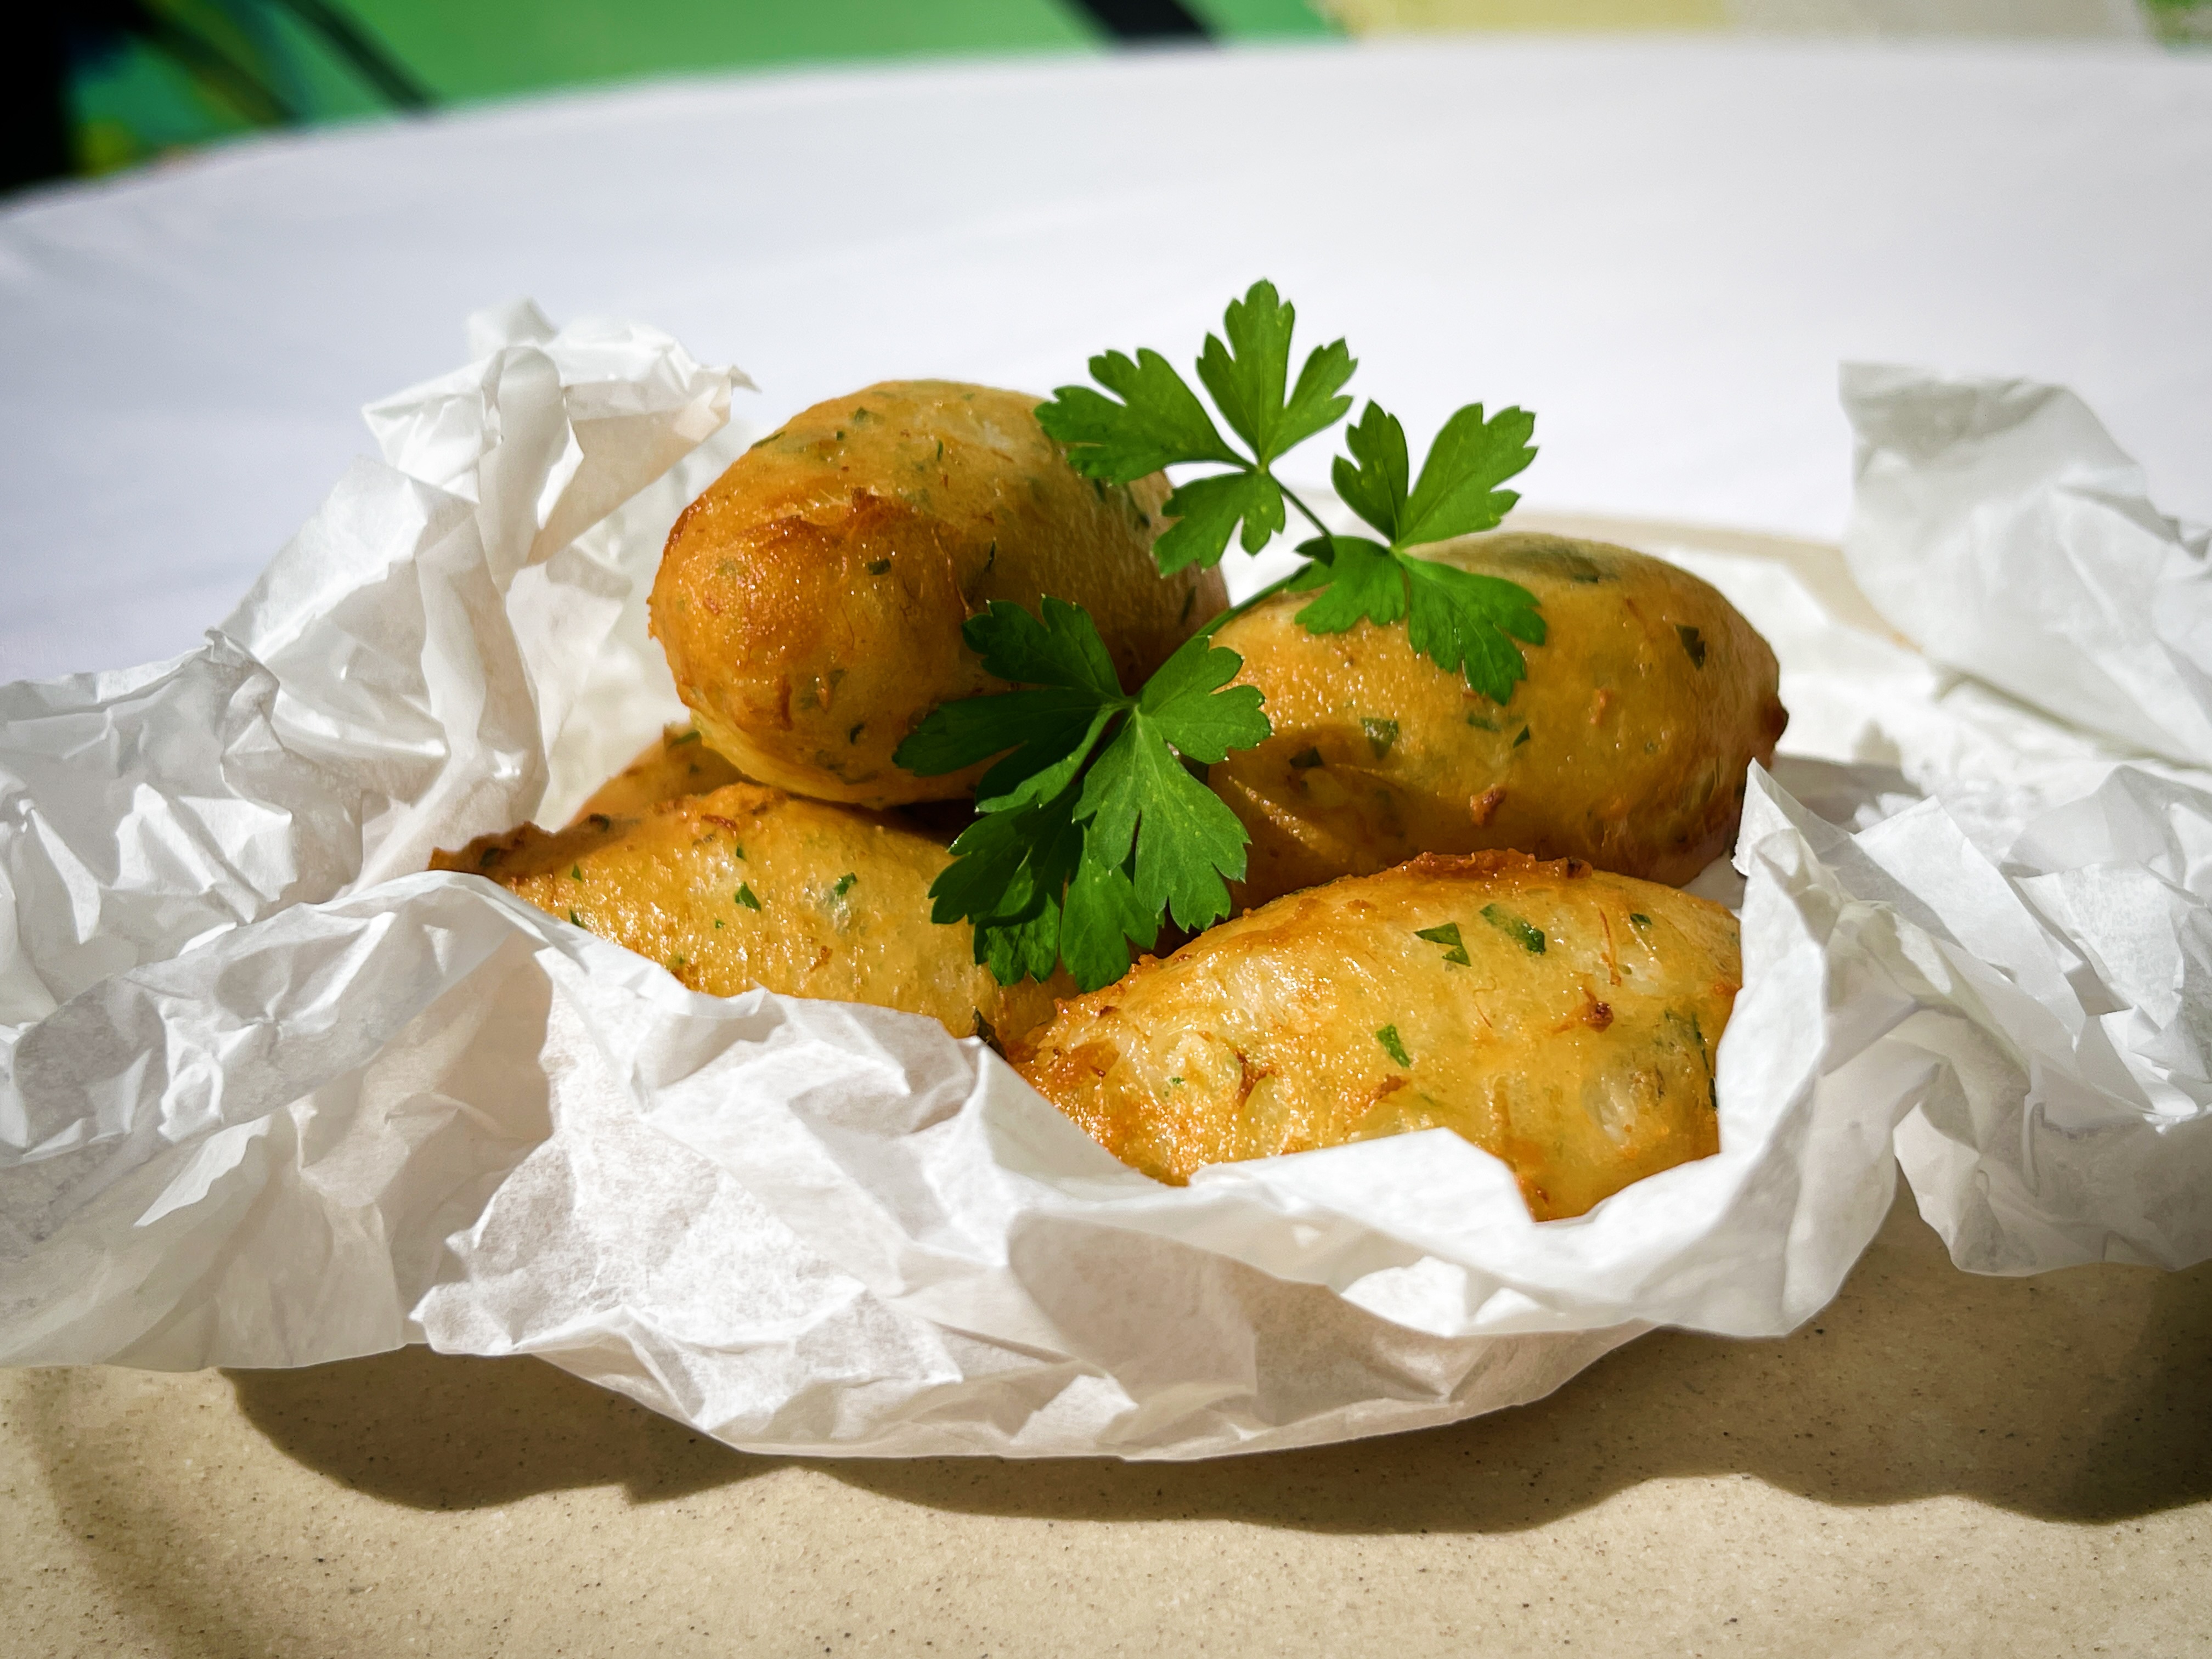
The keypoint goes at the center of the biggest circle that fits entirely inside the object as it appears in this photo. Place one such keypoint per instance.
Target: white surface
(2010, 538)
(267, 1098)
(1663, 248)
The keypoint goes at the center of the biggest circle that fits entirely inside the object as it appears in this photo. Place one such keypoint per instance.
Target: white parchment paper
(268, 1098)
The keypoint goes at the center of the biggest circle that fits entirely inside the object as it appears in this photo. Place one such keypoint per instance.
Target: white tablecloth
(1663, 248)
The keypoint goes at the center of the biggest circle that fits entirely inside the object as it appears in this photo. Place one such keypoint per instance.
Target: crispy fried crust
(1627, 744)
(678, 762)
(811, 601)
(749, 886)
(1575, 1041)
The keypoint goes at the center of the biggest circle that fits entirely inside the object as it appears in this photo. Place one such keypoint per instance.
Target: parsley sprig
(1092, 826)
(1160, 423)
(1095, 823)
(1467, 624)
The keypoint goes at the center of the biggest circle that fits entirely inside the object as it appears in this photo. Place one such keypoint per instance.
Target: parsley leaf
(1008, 870)
(1102, 914)
(1206, 513)
(1359, 578)
(1160, 423)
(1092, 826)
(1247, 376)
(1465, 623)
(1050, 729)
(1184, 839)
(1458, 492)
(1375, 488)
(1183, 696)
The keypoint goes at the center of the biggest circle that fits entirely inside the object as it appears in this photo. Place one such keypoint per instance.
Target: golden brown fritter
(678, 762)
(749, 886)
(811, 601)
(1627, 744)
(1562, 1018)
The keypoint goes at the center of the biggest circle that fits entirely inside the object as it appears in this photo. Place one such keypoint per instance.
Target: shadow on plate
(447, 1431)
(2077, 1395)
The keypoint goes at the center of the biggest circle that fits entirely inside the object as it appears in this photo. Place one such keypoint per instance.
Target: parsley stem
(1274, 588)
(1291, 496)
(1267, 592)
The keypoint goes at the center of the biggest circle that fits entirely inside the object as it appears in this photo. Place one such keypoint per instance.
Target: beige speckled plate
(1940, 1464)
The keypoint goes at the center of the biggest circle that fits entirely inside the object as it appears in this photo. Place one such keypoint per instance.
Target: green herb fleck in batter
(1529, 938)
(1447, 936)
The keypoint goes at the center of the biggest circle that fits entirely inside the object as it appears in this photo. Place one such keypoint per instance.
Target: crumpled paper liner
(266, 1098)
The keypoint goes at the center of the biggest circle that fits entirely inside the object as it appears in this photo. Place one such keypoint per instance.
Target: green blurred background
(104, 84)
(100, 85)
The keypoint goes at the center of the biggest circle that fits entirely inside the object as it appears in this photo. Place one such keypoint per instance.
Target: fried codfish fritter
(1626, 746)
(749, 886)
(1561, 1018)
(676, 762)
(811, 601)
